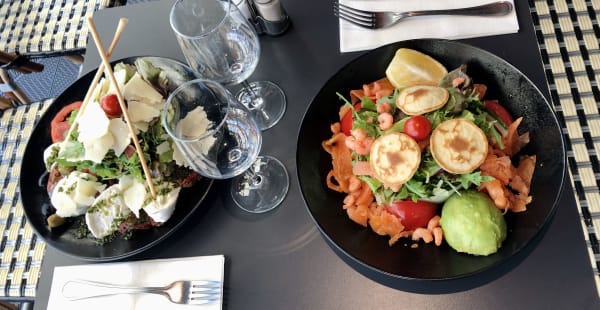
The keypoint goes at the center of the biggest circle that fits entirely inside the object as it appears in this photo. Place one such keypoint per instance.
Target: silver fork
(197, 292)
(376, 20)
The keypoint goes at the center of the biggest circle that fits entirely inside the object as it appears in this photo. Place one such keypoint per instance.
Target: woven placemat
(47, 26)
(21, 251)
(568, 32)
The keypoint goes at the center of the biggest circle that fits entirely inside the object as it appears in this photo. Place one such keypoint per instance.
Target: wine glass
(220, 44)
(216, 136)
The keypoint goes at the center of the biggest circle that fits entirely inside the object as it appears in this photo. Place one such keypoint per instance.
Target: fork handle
(494, 8)
(81, 289)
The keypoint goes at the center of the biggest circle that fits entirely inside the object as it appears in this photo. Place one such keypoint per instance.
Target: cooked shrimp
(384, 107)
(359, 134)
(355, 184)
(386, 120)
(335, 127)
(422, 233)
(496, 191)
(438, 235)
(433, 222)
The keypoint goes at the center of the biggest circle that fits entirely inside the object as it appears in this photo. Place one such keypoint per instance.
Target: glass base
(266, 102)
(262, 187)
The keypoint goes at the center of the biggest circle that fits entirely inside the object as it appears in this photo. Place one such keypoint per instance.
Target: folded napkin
(158, 272)
(354, 38)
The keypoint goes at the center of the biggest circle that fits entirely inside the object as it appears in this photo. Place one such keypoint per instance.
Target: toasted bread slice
(420, 99)
(458, 146)
(394, 158)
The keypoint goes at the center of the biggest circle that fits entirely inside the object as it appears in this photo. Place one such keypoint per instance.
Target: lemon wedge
(410, 67)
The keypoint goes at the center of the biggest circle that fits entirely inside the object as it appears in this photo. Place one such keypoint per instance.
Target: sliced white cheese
(134, 193)
(139, 111)
(120, 132)
(100, 89)
(161, 209)
(93, 123)
(96, 149)
(140, 90)
(141, 126)
(194, 125)
(74, 193)
(163, 148)
(107, 212)
(120, 76)
(178, 156)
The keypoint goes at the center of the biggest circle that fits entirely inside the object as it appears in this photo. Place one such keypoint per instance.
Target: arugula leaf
(474, 178)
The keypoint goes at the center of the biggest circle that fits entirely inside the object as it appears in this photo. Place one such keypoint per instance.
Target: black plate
(36, 202)
(428, 262)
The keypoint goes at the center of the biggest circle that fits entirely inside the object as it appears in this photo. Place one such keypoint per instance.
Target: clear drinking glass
(218, 138)
(220, 44)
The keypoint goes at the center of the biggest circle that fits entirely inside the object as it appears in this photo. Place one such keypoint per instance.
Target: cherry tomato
(346, 123)
(413, 214)
(59, 125)
(497, 109)
(110, 105)
(417, 127)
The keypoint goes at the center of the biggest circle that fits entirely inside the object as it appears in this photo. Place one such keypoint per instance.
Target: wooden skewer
(114, 83)
(92, 88)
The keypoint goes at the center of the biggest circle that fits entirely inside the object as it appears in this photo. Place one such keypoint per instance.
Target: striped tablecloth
(568, 33)
(21, 251)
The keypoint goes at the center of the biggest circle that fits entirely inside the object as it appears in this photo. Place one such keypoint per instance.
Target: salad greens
(430, 182)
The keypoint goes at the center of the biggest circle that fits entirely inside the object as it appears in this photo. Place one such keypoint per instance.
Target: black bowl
(36, 202)
(428, 262)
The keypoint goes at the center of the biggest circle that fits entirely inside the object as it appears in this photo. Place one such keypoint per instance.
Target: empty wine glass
(217, 137)
(220, 44)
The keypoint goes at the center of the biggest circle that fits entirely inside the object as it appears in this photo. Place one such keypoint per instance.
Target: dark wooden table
(279, 260)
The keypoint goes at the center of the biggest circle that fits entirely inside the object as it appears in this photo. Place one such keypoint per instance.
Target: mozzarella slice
(107, 212)
(161, 209)
(74, 193)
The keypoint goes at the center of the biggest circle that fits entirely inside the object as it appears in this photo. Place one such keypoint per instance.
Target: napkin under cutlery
(354, 38)
(157, 272)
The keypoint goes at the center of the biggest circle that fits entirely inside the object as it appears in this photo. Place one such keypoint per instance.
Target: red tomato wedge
(346, 123)
(497, 109)
(413, 214)
(59, 125)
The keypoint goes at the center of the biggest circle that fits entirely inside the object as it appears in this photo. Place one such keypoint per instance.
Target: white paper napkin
(158, 272)
(354, 38)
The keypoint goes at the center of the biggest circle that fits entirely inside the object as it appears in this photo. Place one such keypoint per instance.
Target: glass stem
(255, 100)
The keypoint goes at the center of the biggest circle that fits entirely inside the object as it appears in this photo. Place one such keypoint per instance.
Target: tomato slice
(413, 214)
(346, 123)
(497, 109)
(110, 105)
(417, 127)
(59, 125)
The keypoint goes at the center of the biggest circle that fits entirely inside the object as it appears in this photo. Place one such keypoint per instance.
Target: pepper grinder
(269, 16)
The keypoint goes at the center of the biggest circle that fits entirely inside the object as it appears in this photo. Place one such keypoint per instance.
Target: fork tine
(352, 10)
(361, 18)
(353, 21)
(205, 292)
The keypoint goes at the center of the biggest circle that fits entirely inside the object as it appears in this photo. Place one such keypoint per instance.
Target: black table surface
(279, 260)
